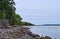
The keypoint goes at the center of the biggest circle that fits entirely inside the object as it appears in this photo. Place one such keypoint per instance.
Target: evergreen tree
(7, 6)
(7, 11)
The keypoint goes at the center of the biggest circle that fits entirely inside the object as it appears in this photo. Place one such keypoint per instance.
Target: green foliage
(7, 11)
(15, 19)
(3, 15)
(27, 23)
(8, 7)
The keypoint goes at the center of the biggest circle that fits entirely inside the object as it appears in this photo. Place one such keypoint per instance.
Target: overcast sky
(39, 11)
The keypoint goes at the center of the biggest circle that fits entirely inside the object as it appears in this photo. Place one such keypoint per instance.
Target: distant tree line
(7, 11)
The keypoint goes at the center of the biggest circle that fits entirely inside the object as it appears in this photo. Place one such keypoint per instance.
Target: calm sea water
(52, 31)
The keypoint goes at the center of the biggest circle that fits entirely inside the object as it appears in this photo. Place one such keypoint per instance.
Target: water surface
(52, 31)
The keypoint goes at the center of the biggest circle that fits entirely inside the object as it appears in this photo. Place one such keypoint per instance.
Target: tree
(8, 7)
(15, 19)
(27, 23)
(7, 11)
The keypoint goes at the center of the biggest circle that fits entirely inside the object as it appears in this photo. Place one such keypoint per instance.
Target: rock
(42, 38)
(47, 37)
(19, 33)
(16, 34)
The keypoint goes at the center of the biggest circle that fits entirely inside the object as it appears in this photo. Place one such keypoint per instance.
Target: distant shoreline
(49, 25)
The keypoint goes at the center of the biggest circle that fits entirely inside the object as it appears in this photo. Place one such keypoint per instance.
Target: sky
(39, 11)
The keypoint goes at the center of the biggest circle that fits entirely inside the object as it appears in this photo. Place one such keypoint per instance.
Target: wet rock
(47, 37)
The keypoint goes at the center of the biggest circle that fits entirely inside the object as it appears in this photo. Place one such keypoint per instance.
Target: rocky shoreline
(19, 33)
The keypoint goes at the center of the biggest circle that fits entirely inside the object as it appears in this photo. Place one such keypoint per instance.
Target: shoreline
(20, 32)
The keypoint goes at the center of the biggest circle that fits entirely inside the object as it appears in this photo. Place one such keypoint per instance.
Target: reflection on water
(52, 31)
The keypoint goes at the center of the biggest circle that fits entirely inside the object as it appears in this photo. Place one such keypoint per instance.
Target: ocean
(52, 31)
